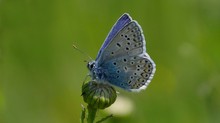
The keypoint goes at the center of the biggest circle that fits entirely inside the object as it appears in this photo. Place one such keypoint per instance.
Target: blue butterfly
(122, 60)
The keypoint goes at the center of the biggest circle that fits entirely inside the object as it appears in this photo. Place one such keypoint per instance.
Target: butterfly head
(92, 68)
(91, 65)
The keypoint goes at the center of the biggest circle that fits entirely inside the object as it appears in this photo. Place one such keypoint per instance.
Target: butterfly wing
(129, 73)
(122, 21)
(124, 60)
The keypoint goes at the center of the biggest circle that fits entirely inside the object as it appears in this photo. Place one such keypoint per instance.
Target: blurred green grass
(41, 74)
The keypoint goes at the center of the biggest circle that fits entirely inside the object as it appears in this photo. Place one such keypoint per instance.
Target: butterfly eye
(90, 65)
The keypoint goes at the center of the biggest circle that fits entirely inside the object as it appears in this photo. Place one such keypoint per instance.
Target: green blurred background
(41, 74)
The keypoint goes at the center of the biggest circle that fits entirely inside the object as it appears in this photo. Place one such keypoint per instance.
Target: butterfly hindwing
(130, 73)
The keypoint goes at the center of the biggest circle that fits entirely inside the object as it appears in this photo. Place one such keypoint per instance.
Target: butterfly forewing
(129, 41)
(120, 24)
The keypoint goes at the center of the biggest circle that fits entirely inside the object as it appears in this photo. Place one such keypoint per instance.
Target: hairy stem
(91, 114)
(83, 114)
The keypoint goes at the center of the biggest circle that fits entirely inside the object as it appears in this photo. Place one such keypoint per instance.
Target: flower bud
(98, 95)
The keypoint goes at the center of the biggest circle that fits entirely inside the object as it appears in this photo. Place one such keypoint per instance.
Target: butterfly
(122, 60)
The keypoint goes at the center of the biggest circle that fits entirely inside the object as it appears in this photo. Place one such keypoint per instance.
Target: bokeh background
(41, 74)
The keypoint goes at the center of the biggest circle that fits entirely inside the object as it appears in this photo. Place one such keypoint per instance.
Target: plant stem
(83, 114)
(91, 114)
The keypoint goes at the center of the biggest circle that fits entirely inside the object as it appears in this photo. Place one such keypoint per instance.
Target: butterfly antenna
(75, 47)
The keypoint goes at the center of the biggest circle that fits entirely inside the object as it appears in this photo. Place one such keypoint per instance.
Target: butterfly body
(122, 60)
